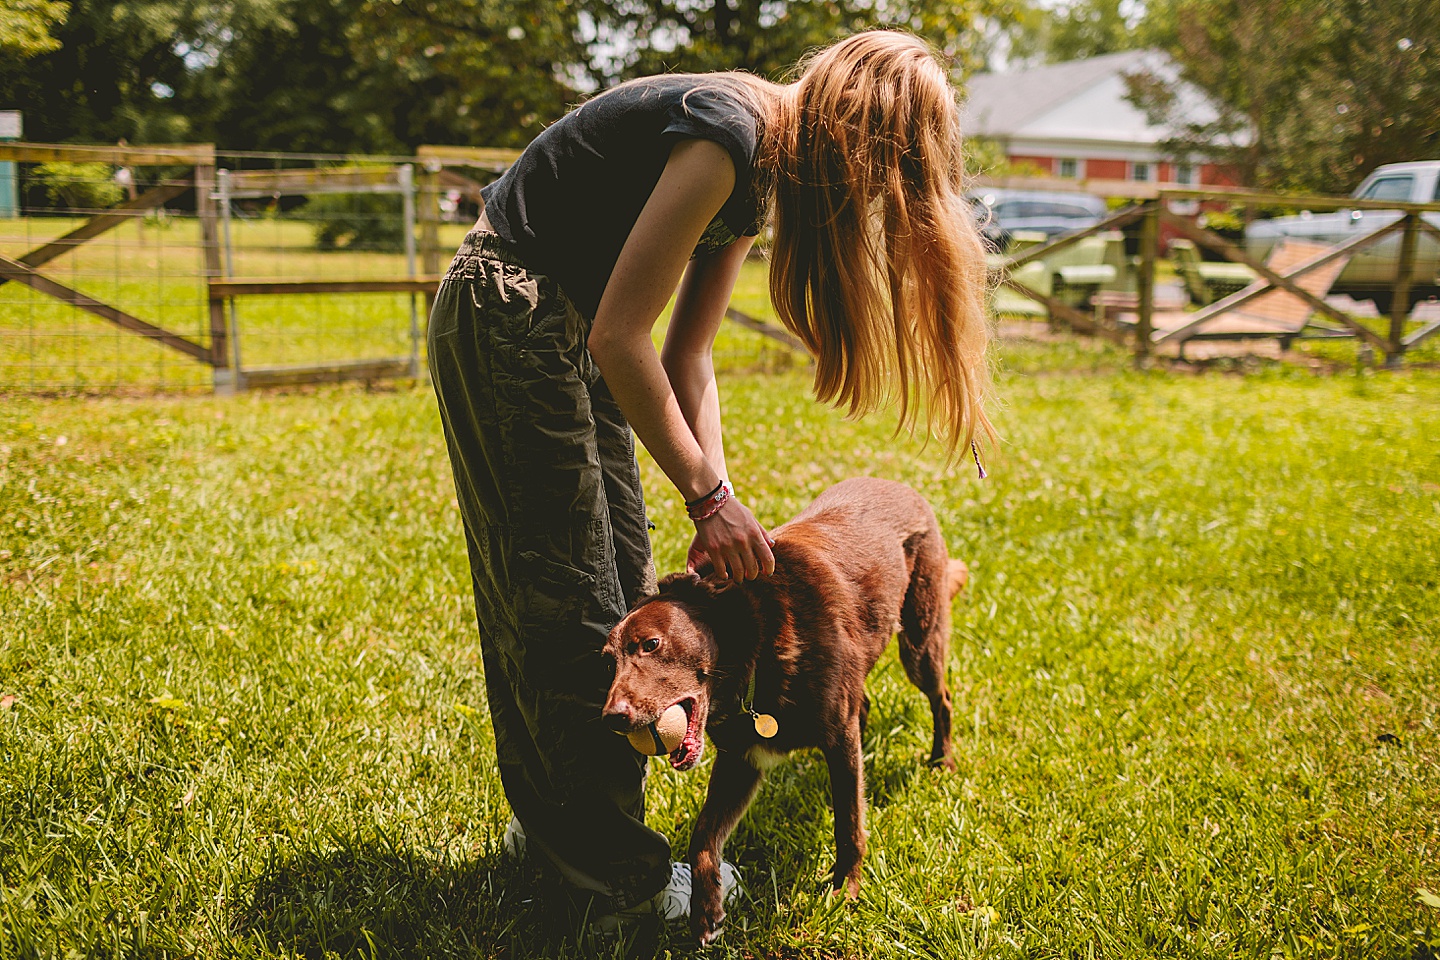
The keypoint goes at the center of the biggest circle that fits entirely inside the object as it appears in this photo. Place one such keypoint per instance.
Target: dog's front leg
(847, 795)
(732, 785)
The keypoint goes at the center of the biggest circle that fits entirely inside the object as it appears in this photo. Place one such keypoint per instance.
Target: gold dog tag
(766, 726)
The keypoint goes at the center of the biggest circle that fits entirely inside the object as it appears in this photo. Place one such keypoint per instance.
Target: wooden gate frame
(396, 178)
(201, 157)
(221, 291)
(1153, 211)
(1411, 224)
(436, 177)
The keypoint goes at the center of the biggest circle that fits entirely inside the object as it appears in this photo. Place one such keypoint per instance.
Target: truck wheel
(1418, 294)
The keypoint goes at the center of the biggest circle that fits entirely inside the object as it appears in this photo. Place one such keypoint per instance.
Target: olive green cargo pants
(549, 492)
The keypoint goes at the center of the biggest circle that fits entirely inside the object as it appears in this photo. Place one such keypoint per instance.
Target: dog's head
(665, 653)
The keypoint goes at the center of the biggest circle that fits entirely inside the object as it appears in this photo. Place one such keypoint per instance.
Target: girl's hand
(734, 543)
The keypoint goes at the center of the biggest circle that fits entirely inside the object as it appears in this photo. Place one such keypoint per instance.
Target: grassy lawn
(1196, 684)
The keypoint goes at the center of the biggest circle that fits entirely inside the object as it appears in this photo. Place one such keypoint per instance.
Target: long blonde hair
(876, 263)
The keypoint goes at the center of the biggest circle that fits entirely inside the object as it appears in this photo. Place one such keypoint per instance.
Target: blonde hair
(876, 263)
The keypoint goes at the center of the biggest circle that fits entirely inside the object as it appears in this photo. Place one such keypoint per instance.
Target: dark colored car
(1001, 213)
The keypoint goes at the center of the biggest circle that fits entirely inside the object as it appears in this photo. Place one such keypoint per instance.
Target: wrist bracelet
(711, 504)
(692, 504)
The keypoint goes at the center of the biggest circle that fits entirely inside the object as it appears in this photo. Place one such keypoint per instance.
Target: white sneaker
(673, 903)
(515, 839)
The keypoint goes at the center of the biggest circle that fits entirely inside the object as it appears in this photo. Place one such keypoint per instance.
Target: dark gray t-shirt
(568, 204)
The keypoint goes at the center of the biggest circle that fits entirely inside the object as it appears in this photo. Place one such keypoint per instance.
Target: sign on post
(11, 128)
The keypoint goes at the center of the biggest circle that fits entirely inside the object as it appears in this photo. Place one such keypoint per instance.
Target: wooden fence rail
(1155, 218)
(192, 173)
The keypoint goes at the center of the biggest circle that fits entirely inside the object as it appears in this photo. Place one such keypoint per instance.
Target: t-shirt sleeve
(719, 116)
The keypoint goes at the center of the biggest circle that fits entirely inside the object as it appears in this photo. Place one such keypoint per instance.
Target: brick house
(1072, 121)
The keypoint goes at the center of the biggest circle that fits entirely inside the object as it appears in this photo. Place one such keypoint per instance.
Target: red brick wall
(1047, 164)
(1107, 170)
(1217, 175)
(1209, 174)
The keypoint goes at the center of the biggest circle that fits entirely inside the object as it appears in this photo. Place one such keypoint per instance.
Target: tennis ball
(664, 734)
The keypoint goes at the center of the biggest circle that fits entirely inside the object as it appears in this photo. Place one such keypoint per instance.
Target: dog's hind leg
(925, 637)
(732, 786)
(847, 794)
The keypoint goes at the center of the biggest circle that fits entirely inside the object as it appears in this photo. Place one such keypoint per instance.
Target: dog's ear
(690, 587)
(669, 582)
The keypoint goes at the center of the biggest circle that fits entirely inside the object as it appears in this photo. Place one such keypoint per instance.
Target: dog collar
(765, 724)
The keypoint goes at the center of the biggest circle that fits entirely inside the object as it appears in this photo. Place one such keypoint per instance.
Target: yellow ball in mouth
(664, 734)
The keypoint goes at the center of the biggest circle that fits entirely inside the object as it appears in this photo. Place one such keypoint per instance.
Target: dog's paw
(707, 925)
(707, 913)
(942, 763)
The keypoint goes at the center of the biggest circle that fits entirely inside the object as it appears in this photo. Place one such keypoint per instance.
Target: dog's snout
(620, 716)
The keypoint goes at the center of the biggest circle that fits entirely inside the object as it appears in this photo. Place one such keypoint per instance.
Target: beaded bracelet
(710, 504)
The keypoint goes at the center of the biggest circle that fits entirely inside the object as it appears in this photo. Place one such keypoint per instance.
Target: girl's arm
(688, 353)
(697, 179)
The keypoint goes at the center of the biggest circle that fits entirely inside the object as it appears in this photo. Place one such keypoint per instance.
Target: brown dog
(864, 560)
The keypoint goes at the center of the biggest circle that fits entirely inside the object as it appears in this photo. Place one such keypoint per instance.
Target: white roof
(1078, 101)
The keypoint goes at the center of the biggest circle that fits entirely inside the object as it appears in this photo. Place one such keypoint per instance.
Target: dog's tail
(959, 576)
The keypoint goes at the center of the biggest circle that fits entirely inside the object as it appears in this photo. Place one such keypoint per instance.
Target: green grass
(242, 710)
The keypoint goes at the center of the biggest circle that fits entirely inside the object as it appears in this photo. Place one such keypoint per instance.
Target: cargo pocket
(556, 605)
(550, 593)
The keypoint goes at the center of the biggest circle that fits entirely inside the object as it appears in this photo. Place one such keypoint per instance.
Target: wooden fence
(194, 175)
(1108, 317)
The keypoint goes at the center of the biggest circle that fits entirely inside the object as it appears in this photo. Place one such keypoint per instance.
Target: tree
(764, 36)
(346, 76)
(1308, 98)
(1091, 28)
(485, 72)
(119, 70)
(1381, 59)
(25, 26)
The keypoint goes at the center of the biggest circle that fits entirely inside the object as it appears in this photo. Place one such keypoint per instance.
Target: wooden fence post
(1145, 281)
(1400, 297)
(206, 210)
(428, 212)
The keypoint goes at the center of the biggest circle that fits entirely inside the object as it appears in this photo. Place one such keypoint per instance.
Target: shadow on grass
(371, 899)
(354, 896)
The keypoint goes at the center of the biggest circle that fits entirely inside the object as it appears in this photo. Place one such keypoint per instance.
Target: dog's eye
(650, 645)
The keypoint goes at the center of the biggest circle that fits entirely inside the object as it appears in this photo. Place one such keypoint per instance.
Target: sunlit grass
(242, 710)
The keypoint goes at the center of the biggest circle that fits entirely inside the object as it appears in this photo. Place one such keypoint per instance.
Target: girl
(541, 355)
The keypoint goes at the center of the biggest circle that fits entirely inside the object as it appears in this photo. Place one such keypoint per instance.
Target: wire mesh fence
(186, 269)
(146, 269)
(78, 224)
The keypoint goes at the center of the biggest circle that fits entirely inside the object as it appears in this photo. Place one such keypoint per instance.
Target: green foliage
(1307, 101)
(362, 221)
(987, 158)
(1074, 31)
(80, 186)
(768, 38)
(357, 76)
(491, 73)
(25, 26)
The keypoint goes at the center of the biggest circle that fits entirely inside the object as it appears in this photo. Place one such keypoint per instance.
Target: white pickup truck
(1370, 274)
